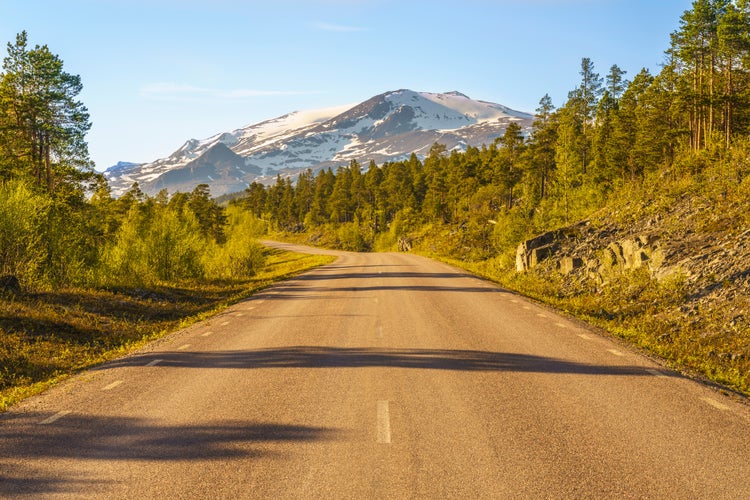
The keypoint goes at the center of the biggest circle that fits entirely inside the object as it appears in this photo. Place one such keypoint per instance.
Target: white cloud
(181, 92)
(338, 27)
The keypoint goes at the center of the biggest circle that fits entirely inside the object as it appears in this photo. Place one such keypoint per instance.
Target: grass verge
(47, 336)
(713, 346)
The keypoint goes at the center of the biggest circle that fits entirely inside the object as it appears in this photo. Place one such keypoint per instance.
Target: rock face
(579, 247)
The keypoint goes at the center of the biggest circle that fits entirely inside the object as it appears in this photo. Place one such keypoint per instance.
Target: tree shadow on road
(336, 357)
(25, 443)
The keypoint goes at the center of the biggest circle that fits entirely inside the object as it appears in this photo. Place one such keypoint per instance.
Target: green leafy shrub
(22, 213)
(241, 255)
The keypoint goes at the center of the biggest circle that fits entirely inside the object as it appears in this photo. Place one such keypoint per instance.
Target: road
(379, 376)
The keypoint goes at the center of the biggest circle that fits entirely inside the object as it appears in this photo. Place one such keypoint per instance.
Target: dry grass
(46, 336)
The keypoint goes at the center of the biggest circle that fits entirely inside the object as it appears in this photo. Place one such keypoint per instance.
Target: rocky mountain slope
(387, 127)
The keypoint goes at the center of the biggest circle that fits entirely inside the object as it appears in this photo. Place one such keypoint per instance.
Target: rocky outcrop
(582, 248)
(531, 253)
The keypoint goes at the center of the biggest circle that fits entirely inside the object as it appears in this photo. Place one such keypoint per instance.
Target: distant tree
(209, 214)
(616, 84)
(584, 100)
(542, 147)
(509, 174)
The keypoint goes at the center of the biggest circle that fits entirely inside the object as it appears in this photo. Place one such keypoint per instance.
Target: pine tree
(45, 126)
(616, 84)
(542, 147)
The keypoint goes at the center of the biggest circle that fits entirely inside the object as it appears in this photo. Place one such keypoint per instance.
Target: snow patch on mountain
(386, 127)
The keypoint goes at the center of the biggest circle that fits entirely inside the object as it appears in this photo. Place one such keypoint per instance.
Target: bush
(240, 256)
(350, 237)
(22, 215)
(165, 246)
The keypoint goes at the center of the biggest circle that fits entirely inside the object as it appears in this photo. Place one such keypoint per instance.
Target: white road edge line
(54, 418)
(155, 362)
(112, 385)
(384, 423)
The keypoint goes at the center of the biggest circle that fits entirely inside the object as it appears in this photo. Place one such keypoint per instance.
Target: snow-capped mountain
(387, 127)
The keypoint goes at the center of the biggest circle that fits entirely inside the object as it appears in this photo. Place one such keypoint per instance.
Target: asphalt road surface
(379, 376)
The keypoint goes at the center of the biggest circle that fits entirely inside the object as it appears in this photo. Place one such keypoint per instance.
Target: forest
(611, 136)
(60, 225)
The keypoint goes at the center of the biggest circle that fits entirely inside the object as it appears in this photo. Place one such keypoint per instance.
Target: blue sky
(158, 72)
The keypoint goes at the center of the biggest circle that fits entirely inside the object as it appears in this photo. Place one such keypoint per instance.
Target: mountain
(387, 127)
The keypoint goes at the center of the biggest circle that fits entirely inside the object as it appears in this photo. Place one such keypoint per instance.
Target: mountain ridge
(386, 127)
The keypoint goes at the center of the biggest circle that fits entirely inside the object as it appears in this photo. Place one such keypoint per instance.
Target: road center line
(155, 362)
(57, 416)
(112, 385)
(384, 423)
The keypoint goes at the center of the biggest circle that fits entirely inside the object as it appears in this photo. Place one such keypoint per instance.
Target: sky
(156, 73)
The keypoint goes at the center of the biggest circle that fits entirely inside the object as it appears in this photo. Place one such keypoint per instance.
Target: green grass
(47, 336)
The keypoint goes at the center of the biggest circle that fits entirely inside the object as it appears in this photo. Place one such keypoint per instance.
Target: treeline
(611, 134)
(59, 224)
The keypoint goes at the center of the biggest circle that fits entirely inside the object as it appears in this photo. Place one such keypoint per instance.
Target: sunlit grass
(47, 336)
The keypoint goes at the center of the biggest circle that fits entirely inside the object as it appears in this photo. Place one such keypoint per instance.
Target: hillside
(666, 267)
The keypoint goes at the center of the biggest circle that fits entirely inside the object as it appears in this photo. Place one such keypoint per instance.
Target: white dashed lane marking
(112, 385)
(384, 423)
(206, 334)
(584, 336)
(615, 352)
(155, 362)
(54, 418)
(716, 404)
(183, 347)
